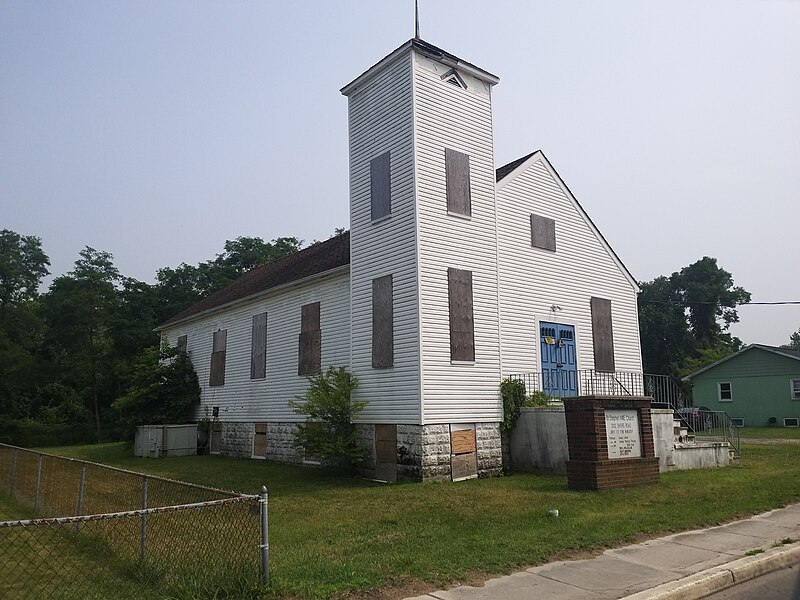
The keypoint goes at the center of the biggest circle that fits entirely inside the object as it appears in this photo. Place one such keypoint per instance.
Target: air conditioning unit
(791, 422)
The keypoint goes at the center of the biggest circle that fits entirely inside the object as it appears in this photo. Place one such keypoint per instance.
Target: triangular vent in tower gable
(454, 78)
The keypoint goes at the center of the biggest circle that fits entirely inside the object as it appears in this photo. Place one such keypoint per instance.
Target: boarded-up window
(382, 323)
(380, 186)
(602, 334)
(457, 176)
(183, 342)
(463, 450)
(543, 233)
(462, 327)
(258, 347)
(309, 356)
(217, 376)
(260, 440)
(386, 452)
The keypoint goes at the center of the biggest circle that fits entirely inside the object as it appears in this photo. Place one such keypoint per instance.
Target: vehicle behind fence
(102, 532)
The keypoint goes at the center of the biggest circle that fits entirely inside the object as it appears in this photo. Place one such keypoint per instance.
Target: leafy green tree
(79, 310)
(163, 389)
(794, 341)
(707, 291)
(666, 339)
(23, 264)
(180, 287)
(329, 431)
(684, 318)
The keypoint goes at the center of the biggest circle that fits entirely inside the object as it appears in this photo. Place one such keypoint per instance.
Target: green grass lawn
(333, 536)
(770, 433)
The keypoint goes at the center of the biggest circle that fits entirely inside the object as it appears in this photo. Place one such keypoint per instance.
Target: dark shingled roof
(506, 169)
(313, 260)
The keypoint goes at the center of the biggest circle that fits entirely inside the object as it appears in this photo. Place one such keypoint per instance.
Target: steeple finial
(416, 19)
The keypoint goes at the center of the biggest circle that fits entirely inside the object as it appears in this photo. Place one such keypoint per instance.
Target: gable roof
(311, 261)
(788, 353)
(509, 172)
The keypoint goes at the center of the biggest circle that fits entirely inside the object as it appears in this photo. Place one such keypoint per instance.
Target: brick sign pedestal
(610, 442)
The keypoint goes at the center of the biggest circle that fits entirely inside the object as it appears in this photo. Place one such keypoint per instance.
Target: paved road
(778, 585)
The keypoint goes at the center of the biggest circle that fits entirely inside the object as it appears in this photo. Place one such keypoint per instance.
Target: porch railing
(665, 391)
(559, 384)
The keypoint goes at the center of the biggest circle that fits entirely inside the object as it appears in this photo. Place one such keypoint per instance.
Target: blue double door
(559, 363)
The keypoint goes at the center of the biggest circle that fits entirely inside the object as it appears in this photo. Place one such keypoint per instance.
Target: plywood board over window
(458, 188)
(260, 440)
(464, 452)
(602, 334)
(462, 325)
(258, 347)
(382, 323)
(220, 342)
(386, 452)
(380, 186)
(309, 359)
(543, 233)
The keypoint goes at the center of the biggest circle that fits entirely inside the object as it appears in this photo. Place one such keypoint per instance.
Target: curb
(724, 576)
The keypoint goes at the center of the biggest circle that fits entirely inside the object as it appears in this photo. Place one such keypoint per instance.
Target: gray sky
(157, 130)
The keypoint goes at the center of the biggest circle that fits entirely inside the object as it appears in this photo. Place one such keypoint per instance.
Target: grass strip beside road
(331, 536)
(769, 433)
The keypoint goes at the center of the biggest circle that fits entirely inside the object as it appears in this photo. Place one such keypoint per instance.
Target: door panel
(559, 360)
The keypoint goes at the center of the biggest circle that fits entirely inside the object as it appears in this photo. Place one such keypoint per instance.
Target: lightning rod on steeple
(416, 19)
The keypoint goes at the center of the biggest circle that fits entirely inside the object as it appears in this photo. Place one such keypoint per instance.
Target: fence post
(143, 526)
(263, 502)
(13, 478)
(38, 486)
(81, 486)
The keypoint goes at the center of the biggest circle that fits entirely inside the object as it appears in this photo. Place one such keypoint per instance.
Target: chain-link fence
(102, 532)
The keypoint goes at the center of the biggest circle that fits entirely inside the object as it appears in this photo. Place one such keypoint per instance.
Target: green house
(758, 386)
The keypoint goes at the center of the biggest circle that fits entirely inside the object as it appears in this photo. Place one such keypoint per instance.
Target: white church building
(454, 275)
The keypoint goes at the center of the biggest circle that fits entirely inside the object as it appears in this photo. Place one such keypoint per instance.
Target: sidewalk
(681, 566)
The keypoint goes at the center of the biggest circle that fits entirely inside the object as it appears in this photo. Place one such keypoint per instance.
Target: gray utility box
(166, 440)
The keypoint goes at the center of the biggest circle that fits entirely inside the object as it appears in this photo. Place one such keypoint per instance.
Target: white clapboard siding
(447, 116)
(532, 280)
(248, 400)
(381, 120)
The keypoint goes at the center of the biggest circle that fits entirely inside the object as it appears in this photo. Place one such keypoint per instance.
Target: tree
(180, 287)
(794, 341)
(708, 293)
(163, 389)
(329, 431)
(684, 318)
(23, 264)
(79, 309)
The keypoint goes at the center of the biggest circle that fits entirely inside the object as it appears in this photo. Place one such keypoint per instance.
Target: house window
(457, 176)
(602, 335)
(309, 353)
(543, 233)
(183, 342)
(258, 347)
(380, 186)
(725, 391)
(795, 383)
(217, 376)
(462, 326)
(382, 323)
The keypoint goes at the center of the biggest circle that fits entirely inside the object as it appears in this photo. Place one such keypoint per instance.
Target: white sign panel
(622, 434)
